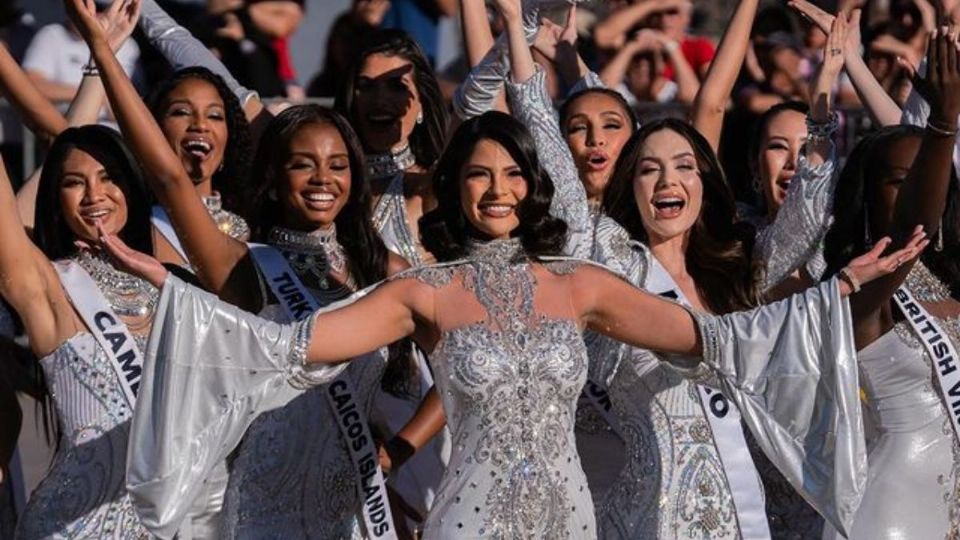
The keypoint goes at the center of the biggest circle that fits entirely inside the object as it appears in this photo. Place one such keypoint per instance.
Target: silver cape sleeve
(530, 103)
(796, 234)
(209, 370)
(790, 367)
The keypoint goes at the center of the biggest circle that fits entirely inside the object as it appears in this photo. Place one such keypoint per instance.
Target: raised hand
(941, 85)
(83, 14)
(812, 13)
(551, 36)
(872, 265)
(119, 21)
(134, 262)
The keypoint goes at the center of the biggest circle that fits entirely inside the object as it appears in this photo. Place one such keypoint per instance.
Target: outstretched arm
(214, 253)
(710, 105)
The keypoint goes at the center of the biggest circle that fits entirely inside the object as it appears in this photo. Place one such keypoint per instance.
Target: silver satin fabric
(210, 369)
(803, 412)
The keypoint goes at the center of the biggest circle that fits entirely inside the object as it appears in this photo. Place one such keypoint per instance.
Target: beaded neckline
(925, 286)
(390, 163)
(128, 295)
(315, 254)
(495, 251)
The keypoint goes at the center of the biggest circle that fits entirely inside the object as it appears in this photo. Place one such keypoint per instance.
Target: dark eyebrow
(683, 155)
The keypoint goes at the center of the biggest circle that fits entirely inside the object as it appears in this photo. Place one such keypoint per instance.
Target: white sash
(941, 350)
(724, 419)
(299, 303)
(111, 334)
(161, 221)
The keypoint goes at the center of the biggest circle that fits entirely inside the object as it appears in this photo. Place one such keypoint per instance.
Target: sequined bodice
(83, 495)
(390, 220)
(509, 381)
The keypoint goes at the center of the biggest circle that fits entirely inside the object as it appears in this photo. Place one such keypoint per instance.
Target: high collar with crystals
(390, 163)
(213, 202)
(495, 251)
(289, 239)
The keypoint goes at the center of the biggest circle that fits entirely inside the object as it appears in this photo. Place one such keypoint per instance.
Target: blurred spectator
(252, 41)
(56, 57)
(670, 17)
(639, 70)
(420, 19)
(362, 17)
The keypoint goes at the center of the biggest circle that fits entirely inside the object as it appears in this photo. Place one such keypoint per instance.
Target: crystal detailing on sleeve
(614, 249)
(802, 222)
(588, 81)
(531, 104)
(301, 374)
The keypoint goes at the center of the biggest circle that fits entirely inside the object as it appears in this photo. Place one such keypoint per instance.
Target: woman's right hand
(83, 15)
(119, 21)
(940, 87)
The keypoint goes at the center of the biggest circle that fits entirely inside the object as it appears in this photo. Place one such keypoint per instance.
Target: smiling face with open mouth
(667, 186)
(492, 188)
(780, 147)
(596, 130)
(194, 123)
(387, 102)
(316, 177)
(88, 195)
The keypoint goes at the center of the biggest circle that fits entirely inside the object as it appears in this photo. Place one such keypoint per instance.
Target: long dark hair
(232, 181)
(628, 111)
(719, 253)
(51, 232)
(426, 140)
(366, 252)
(857, 190)
(444, 231)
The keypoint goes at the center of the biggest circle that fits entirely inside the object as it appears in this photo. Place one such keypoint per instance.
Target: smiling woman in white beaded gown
(89, 179)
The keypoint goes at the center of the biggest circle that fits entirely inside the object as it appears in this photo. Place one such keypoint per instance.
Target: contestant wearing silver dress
(913, 485)
(291, 476)
(83, 495)
(509, 393)
(672, 483)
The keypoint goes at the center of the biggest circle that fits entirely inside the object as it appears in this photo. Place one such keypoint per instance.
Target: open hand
(551, 36)
(118, 21)
(941, 85)
(872, 265)
(134, 262)
(83, 15)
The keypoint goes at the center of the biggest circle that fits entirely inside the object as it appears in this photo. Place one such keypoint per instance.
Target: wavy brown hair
(719, 254)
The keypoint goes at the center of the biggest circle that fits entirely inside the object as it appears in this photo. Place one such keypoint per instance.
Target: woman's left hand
(132, 261)
(872, 265)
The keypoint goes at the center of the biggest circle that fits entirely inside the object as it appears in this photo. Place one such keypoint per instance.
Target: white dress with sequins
(83, 495)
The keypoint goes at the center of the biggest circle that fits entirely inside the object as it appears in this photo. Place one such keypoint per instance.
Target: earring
(420, 117)
(866, 229)
(756, 185)
(272, 194)
(220, 168)
(938, 245)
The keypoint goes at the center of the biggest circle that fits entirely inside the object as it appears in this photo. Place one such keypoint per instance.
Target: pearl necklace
(389, 163)
(128, 295)
(313, 254)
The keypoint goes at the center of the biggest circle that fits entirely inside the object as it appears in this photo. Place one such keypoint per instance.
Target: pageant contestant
(87, 321)
(503, 322)
(204, 124)
(907, 327)
(314, 213)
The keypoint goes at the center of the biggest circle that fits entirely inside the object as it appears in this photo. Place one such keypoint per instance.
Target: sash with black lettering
(111, 334)
(161, 221)
(941, 350)
(724, 419)
(298, 303)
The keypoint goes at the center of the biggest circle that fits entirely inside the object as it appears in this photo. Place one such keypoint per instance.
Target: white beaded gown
(83, 494)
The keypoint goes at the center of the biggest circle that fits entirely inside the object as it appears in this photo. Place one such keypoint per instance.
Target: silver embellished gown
(291, 476)
(662, 476)
(83, 494)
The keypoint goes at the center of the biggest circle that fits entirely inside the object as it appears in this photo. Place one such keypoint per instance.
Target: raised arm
(214, 254)
(37, 112)
(182, 50)
(922, 198)
(532, 105)
(27, 280)
(710, 105)
(611, 32)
